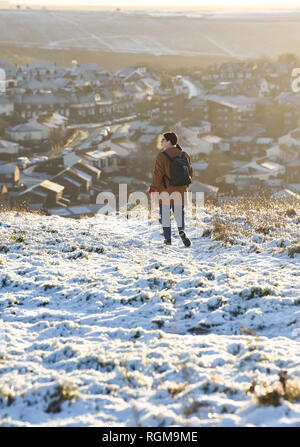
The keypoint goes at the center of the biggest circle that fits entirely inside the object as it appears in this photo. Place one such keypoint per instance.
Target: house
(88, 68)
(6, 105)
(31, 105)
(196, 108)
(262, 144)
(54, 121)
(209, 142)
(83, 106)
(10, 70)
(72, 182)
(208, 190)
(43, 85)
(45, 194)
(253, 173)
(40, 68)
(289, 103)
(81, 166)
(295, 187)
(10, 175)
(30, 131)
(172, 108)
(106, 160)
(229, 114)
(137, 129)
(76, 211)
(253, 130)
(241, 146)
(78, 180)
(128, 74)
(274, 152)
(289, 146)
(8, 149)
(292, 168)
(264, 88)
(199, 167)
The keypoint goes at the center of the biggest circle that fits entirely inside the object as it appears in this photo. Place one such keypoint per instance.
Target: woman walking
(172, 173)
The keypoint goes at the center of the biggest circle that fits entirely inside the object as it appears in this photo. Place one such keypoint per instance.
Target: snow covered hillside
(102, 325)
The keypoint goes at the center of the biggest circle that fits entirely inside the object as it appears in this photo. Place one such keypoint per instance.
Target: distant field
(119, 39)
(111, 61)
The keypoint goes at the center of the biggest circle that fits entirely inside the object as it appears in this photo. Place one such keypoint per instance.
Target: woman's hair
(171, 136)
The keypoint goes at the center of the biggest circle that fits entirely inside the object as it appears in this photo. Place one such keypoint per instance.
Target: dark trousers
(164, 212)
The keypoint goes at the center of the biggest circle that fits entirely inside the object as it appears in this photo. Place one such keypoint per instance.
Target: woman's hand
(150, 192)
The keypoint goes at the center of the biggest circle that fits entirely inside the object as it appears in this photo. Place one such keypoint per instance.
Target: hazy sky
(170, 3)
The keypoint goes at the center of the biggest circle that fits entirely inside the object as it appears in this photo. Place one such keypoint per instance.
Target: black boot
(184, 238)
(167, 242)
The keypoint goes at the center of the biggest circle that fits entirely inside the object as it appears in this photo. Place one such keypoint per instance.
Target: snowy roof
(6, 144)
(232, 101)
(125, 72)
(41, 65)
(52, 186)
(117, 148)
(86, 167)
(45, 98)
(128, 145)
(242, 139)
(203, 187)
(211, 138)
(54, 121)
(38, 192)
(8, 169)
(89, 67)
(71, 180)
(79, 209)
(60, 211)
(146, 139)
(262, 140)
(195, 102)
(271, 165)
(5, 100)
(200, 165)
(145, 127)
(101, 154)
(249, 168)
(82, 173)
(26, 127)
(286, 193)
(292, 99)
(294, 187)
(6, 66)
(75, 210)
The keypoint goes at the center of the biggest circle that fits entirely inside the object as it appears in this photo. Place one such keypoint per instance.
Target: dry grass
(6, 395)
(288, 390)
(242, 219)
(62, 393)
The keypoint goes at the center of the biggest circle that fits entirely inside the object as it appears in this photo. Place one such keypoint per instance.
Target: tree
(219, 163)
(57, 138)
(288, 57)
(166, 81)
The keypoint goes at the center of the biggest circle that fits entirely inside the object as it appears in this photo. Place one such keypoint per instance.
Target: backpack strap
(164, 180)
(166, 155)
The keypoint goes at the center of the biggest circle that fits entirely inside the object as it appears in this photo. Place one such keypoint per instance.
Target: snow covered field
(181, 33)
(101, 325)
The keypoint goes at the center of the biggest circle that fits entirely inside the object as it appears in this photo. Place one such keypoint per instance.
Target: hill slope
(101, 325)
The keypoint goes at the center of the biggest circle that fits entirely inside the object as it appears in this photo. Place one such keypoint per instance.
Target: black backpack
(180, 174)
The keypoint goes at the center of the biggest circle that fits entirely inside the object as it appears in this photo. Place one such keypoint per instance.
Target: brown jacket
(163, 167)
